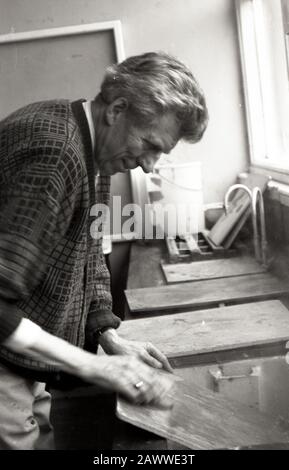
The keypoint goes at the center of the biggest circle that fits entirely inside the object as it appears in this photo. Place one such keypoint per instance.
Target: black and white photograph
(144, 229)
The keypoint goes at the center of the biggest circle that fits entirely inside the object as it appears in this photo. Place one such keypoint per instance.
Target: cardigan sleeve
(35, 210)
(100, 314)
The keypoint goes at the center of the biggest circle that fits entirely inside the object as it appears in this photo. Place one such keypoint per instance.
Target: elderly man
(55, 303)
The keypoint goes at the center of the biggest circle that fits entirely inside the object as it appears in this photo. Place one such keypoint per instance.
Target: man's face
(127, 146)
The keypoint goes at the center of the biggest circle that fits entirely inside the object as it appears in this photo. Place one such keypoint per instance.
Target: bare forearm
(29, 339)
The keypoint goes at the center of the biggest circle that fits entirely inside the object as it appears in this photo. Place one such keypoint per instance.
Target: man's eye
(151, 146)
(146, 145)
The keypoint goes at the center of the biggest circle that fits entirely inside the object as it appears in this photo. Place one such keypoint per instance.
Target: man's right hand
(130, 377)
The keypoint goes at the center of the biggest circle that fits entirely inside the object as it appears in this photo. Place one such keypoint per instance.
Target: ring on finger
(138, 385)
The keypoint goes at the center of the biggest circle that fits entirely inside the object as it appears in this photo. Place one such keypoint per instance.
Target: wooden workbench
(227, 343)
(148, 292)
(258, 332)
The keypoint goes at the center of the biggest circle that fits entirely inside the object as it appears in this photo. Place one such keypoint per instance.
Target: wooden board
(201, 419)
(192, 244)
(237, 207)
(227, 243)
(217, 329)
(205, 293)
(144, 265)
(212, 269)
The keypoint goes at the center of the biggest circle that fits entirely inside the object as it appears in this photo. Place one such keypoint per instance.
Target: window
(263, 31)
(285, 13)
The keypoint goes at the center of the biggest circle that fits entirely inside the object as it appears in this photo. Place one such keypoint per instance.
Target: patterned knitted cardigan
(51, 270)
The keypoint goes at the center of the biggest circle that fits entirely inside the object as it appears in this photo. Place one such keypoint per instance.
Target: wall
(202, 33)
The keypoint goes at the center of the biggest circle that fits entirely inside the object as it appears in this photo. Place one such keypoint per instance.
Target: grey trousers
(24, 413)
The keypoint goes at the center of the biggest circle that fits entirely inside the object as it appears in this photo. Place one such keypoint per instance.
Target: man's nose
(149, 162)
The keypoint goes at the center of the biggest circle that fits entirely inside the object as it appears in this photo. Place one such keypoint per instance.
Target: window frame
(251, 63)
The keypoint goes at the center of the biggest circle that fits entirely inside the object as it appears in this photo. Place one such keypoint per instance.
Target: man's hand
(112, 343)
(131, 378)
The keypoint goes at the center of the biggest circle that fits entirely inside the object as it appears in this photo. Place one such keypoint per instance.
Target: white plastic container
(176, 191)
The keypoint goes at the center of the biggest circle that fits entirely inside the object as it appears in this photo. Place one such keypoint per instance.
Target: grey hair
(156, 83)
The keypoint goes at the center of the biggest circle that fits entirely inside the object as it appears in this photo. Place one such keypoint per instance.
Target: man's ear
(115, 109)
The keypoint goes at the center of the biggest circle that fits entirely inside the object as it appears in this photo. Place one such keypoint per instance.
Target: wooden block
(212, 269)
(172, 248)
(192, 244)
(240, 381)
(205, 293)
(216, 329)
(210, 243)
(201, 419)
